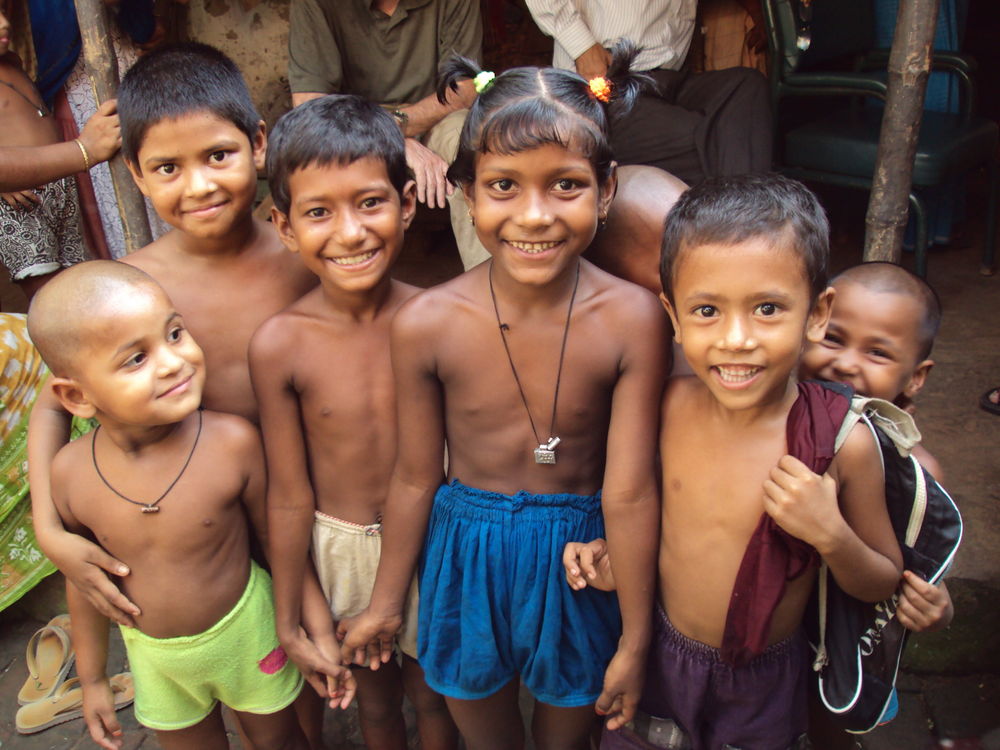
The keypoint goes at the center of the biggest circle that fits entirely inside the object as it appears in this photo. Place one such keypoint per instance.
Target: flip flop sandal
(66, 704)
(49, 657)
(987, 404)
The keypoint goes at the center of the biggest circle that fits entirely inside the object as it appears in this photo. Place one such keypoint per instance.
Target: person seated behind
(39, 208)
(119, 352)
(744, 272)
(389, 51)
(343, 199)
(194, 142)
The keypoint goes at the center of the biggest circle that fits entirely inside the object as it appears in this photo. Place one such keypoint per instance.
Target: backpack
(860, 644)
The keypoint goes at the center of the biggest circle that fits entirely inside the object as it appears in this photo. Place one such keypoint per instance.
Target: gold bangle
(86, 156)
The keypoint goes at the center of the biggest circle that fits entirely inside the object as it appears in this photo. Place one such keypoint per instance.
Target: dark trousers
(699, 125)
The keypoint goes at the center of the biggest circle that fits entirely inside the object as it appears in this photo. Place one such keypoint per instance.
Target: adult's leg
(380, 706)
(442, 139)
(492, 723)
(659, 132)
(560, 728)
(207, 734)
(435, 726)
(735, 134)
(276, 731)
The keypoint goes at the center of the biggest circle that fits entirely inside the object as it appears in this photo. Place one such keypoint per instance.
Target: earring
(472, 219)
(602, 221)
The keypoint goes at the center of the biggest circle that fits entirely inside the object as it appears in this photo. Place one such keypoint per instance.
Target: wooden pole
(102, 69)
(909, 65)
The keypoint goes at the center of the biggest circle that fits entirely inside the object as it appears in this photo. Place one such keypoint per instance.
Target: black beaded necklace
(154, 506)
(545, 453)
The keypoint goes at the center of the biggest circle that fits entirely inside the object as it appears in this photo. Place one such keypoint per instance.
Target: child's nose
(846, 363)
(348, 230)
(535, 211)
(168, 361)
(200, 182)
(737, 335)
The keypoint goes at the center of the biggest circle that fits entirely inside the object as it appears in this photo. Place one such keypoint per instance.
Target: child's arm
(90, 641)
(924, 606)
(24, 168)
(415, 478)
(848, 525)
(588, 565)
(79, 559)
(631, 503)
(339, 684)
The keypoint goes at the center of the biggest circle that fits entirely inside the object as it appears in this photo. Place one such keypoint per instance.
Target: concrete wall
(254, 33)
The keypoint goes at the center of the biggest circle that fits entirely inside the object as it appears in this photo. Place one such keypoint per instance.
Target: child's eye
(502, 185)
(136, 360)
(175, 334)
(767, 309)
(371, 202)
(832, 340)
(317, 213)
(166, 169)
(218, 156)
(880, 354)
(566, 184)
(705, 311)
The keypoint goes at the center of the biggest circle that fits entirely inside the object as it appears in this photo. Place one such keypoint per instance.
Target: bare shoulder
(858, 453)
(927, 460)
(158, 255)
(682, 391)
(230, 433)
(627, 303)
(69, 461)
(281, 333)
(431, 310)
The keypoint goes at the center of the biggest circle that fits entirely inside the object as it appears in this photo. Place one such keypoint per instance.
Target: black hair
(888, 278)
(524, 108)
(729, 210)
(333, 129)
(180, 79)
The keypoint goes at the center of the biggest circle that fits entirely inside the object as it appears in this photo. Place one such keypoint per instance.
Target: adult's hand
(430, 173)
(101, 134)
(22, 198)
(594, 62)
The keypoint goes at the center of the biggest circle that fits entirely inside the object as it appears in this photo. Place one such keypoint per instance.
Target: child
(39, 208)
(343, 199)
(746, 507)
(119, 352)
(530, 368)
(194, 142)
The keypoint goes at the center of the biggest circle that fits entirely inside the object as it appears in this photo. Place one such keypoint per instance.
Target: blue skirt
(494, 602)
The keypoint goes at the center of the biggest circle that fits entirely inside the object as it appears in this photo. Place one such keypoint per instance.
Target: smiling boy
(322, 374)
(164, 487)
(751, 497)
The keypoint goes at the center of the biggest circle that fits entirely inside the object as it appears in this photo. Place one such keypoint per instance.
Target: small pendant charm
(546, 452)
(150, 508)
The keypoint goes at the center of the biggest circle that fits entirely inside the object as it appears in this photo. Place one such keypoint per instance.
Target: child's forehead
(875, 307)
(191, 129)
(339, 170)
(740, 264)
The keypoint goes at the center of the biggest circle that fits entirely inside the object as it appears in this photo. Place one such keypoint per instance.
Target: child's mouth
(533, 248)
(354, 260)
(736, 376)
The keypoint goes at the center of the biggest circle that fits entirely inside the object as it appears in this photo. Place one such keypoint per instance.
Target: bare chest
(20, 106)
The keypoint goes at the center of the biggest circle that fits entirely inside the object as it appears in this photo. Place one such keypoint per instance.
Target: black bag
(858, 644)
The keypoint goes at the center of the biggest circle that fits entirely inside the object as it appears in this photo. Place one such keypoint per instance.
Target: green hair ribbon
(483, 80)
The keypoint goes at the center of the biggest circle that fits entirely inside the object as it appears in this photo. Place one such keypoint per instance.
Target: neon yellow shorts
(238, 662)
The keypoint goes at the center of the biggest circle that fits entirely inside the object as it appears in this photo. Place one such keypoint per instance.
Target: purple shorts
(695, 701)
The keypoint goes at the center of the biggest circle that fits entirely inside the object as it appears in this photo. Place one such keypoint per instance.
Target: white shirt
(661, 28)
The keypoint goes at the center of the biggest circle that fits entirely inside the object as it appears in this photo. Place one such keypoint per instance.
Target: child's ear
(408, 203)
(258, 144)
(672, 315)
(137, 177)
(819, 316)
(607, 192)
(72, 397)
(918, 378)
(284, 229)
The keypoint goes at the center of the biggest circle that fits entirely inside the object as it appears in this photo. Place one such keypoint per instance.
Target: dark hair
(333, 129)
(524, 108)
(888, 278)
(179, 79)
(729, 210)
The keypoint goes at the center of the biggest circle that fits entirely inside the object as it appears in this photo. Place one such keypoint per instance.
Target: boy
(39, 208)
(194, 142)
(343, 198)
(743, 270)
(119, 352)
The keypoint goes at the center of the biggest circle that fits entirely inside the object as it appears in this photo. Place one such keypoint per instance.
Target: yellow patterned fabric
(22, 373)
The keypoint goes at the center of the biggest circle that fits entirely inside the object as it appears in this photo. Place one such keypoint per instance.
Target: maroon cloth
(774, 556)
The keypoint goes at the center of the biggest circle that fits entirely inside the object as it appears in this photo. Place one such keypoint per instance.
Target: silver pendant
(546, 452)
(150, 508)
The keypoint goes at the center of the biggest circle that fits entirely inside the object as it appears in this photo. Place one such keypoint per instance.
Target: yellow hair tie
(483, 80)
(600, 87)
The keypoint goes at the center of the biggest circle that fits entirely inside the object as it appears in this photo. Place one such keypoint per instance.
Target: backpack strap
(899, 427)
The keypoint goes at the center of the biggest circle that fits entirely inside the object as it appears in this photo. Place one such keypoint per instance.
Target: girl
(541, 372)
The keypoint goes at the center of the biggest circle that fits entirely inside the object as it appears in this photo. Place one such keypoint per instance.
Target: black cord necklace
(545, 453)
(39, 109)
(154, 506)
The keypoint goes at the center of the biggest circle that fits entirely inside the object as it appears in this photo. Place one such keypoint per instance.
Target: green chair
(807, 42)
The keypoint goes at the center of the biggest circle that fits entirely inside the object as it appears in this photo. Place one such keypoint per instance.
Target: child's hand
(99, 714)
(318, 661)
(924, 606)
(588, 565)
(622, 688)
(367, 638)
(101, 134)
(802, 502)
(340, 683)
(23, 198)
(87, 567)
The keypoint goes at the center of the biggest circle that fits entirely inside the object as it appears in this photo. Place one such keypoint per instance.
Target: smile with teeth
(353, 260)
(736, 373)
(533, 247)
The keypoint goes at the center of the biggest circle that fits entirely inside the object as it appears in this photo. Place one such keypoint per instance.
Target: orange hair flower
(600, 87)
